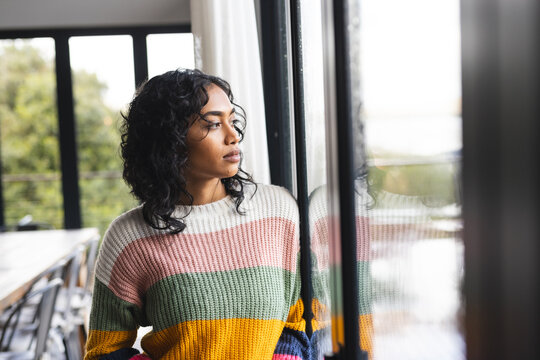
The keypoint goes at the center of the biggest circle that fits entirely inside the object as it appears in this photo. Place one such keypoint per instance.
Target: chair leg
(72, 345)
(46, 317)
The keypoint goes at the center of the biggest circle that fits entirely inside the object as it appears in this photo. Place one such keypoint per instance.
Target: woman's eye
(236, 123)
(214, 125)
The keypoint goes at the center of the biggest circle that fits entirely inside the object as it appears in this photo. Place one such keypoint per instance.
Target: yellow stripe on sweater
(105, 342)
(365, 323)
(204, 339)
(215, 339)
(294, 319)
(321, 315)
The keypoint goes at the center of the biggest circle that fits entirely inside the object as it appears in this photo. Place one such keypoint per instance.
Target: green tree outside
(30, 150)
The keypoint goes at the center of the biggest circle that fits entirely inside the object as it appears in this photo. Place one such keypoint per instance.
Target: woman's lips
(233, 156)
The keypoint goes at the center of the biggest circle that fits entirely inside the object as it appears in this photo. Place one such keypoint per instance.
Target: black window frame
(65, 103)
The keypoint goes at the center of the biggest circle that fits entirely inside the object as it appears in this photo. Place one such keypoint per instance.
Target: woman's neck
(205, 192)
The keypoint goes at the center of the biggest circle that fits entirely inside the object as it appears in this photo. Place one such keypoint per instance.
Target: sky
(111, 59)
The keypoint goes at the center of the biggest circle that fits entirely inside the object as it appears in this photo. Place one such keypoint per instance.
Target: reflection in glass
(168, 52)
(405, 86)
(315, 128)
(405, 60)
(29, 128)
(324, 213)
(103, 84)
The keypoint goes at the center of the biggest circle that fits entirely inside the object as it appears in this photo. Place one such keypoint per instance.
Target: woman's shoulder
(271, 193)
(123, 233)
(275, 199)
(276, 191)
(126, 228)
(130, 219)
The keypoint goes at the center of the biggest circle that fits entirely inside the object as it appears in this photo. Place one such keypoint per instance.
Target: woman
(209, 259)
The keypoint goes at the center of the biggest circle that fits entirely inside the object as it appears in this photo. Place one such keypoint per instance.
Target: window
(405, 129)
(30, 159)
(168, 52)
(406, 60)
(98, 68)
(102, 87)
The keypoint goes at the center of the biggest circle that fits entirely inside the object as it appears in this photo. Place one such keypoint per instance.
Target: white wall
(31, 14)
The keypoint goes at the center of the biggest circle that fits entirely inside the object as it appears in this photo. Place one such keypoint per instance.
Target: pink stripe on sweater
(140, 357)
(363, 238)
(285, 357)
(320, 240)
(266, 242)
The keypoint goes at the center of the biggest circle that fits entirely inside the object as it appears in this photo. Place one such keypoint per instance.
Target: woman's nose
(232, 136)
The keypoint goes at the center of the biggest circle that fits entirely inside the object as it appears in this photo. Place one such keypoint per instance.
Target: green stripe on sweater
(111, 313)
(252, 293)
(322, 281)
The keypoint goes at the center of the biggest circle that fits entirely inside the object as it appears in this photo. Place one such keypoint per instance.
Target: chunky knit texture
(324, 231)
(227, 287)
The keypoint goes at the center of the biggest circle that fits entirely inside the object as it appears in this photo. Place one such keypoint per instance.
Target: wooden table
(25, 255)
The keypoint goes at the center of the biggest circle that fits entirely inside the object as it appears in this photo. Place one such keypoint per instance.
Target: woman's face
(213, 141)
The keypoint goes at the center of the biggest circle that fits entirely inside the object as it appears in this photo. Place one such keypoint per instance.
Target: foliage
(435, 184)
(30, 149)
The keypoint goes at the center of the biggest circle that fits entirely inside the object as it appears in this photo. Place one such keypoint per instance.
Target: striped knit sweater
(327, 265)
(227, 287)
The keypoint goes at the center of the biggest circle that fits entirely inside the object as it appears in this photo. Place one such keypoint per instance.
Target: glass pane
(29, 129)
(103, 84)
(405, 59)
(324, 266)
(168, 52)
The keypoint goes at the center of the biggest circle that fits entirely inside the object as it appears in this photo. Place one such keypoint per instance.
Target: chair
(65, 320)
(76, 298)
(38, 338)
(82, 305)
(90, 264)
(27, 223)
(66, 329)
(26, 318)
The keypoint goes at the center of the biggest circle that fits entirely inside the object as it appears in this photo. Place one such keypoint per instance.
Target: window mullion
(66, 126)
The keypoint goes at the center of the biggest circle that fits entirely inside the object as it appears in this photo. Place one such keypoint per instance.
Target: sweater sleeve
(113, 326)
(116, 301)
(293, 343)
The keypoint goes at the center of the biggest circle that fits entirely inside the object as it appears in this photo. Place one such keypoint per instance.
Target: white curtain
(227, 45)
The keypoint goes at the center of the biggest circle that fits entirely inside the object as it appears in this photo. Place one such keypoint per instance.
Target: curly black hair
(154, 148)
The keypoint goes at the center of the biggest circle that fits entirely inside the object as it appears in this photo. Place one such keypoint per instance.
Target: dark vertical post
(501, 177)
(346, 182)
(301, 161)
(2, 218)
(276, 90)
(66, 125)
(140, 57)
